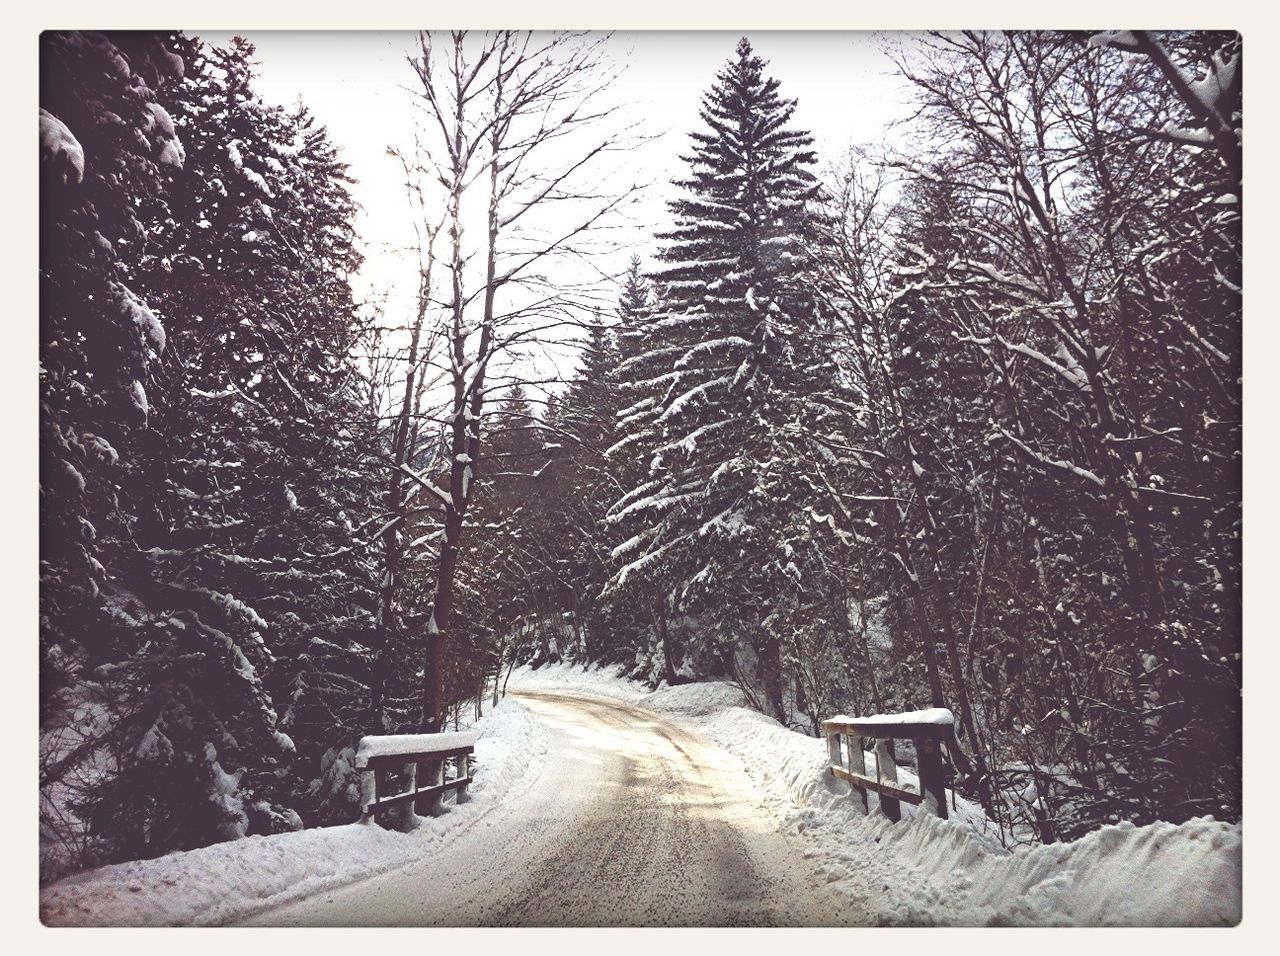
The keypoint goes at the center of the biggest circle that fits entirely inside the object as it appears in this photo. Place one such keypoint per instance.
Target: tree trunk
(771, 675)
(433, 700)
(668, 665)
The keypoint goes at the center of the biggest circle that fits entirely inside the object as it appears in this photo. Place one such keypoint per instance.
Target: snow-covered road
(598, 801)
(632, 821)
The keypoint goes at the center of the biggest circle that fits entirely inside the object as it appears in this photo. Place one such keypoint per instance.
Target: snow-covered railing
(375, 756)
(927, 729)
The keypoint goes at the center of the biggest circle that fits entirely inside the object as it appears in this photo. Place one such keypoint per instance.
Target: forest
(950, 422)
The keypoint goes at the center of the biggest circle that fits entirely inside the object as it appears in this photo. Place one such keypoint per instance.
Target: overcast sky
(358, 85)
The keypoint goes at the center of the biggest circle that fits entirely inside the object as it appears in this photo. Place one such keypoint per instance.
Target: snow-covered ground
(946, 872)
(920, 871)
(229, 881)
(633, 821)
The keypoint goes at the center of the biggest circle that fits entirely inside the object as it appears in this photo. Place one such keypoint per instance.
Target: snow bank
(229, 881)
(918, 872)
(926, 871)
(604, 681)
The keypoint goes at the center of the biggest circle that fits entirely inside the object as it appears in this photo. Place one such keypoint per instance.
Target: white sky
(359, 84)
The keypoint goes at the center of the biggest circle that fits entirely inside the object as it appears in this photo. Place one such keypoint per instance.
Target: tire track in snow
(633, 821)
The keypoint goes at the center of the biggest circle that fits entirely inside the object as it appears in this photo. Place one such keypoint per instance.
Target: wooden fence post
(369, 795)
(432, 771)
(411, 770)
(464, 771)
(408, 812)
(929, 763)
(437, 778)
(858, 764)
(833, 751)
(887, 769)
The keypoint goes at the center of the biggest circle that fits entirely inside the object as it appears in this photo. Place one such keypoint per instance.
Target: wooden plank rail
(417, 756)
(928, 730)
(879, 786)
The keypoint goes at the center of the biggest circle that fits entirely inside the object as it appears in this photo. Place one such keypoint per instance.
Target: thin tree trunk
(771, 675)
(668, 666)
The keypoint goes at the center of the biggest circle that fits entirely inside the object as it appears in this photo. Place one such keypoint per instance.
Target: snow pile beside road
(926, 871)
(1158, 875)
(603, 681)
(945, 872)
(228, 881)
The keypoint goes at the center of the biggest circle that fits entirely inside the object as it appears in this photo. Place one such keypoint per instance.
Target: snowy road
(632, 821)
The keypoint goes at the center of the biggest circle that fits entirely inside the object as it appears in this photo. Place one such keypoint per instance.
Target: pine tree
(736, 365)
(633, 303)
(585, 482)
(510, 582)
(229, 577)
(589, 407)
(107, 145)
(633, 413)
(264, 447)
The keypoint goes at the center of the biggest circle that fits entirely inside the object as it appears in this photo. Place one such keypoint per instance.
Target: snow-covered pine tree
(106, 143)
(582, 486)
(632, 416)
(736, 365)
(185, 679)
(634, 433)
(234, 581)
(508, 589)
(588, 407)
(633, 303)
(265, 439)
(643, 632)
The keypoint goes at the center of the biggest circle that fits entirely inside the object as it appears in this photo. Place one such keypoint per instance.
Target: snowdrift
(922, 871)
(926, 871)
(229, 881)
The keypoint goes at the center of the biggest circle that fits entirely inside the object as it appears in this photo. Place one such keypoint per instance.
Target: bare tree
(512, 126)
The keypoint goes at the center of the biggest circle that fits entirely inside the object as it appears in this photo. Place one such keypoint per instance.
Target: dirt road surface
(632, 822)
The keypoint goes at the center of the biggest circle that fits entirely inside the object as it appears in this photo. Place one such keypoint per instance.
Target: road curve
(633, 821)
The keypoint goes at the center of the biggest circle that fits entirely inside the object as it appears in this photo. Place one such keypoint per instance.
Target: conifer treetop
(749, 186)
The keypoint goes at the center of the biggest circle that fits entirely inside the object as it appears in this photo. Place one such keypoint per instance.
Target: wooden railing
(929, 730)
(408, 753)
